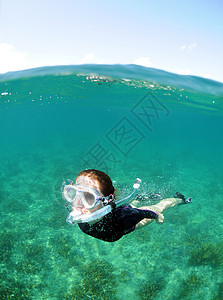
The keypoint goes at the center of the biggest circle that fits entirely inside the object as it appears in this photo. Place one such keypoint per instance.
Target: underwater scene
(128, 121)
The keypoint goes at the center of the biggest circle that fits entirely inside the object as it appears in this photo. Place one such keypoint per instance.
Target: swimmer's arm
(146, 221)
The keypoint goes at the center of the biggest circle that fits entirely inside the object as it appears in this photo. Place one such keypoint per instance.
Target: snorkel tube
(77, 217)
(126, 199)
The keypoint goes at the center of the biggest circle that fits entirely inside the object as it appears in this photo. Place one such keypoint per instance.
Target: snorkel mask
(79, 196)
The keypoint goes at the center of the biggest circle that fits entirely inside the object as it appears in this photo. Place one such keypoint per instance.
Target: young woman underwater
(93, 206)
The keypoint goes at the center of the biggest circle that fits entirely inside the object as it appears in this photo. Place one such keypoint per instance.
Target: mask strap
(107, 200)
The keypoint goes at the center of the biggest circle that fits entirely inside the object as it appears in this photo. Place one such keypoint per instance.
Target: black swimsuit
(120, 221)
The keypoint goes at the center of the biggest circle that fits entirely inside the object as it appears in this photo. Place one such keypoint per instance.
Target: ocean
(128, 121)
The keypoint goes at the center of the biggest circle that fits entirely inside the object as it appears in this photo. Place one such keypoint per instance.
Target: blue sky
(184, 37)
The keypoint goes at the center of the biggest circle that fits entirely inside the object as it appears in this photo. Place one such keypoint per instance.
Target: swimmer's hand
(160, 218)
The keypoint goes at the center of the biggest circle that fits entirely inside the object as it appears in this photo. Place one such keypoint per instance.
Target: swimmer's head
(91, 197)
(96, 179)
(91, 191)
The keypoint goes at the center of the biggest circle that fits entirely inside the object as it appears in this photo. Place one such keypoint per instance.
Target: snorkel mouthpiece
(76, 216)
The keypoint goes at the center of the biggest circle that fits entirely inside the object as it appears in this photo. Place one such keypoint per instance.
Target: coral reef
(7, 240)
(34, 259)
(32, 251)
(189, 285)
(149, 290)
(63, 247)
(11, 289)
(207, 254)
(219, 295)
(98, 282)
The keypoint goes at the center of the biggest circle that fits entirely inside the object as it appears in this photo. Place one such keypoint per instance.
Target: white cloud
(194, 45)
(183, 47)
(188, 47)
(11, 59)
(89, 57)
(142, 61)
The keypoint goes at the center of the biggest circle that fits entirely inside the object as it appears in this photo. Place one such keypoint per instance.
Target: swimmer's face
(84, 180)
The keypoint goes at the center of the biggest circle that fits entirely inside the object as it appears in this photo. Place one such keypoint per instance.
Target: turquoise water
(130, 122)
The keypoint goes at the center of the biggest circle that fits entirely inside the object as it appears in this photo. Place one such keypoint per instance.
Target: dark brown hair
(102, 178)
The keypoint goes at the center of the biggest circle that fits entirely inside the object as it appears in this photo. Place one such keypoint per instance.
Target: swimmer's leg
(160, 208)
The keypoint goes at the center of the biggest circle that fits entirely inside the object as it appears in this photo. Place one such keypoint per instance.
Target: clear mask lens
(71, 193)
(89, 198)
(80, 196)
